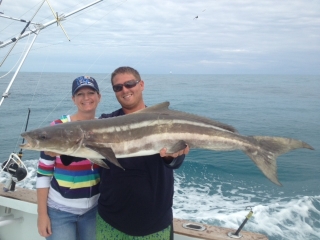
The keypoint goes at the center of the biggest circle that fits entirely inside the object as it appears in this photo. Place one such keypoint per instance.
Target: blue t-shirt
(138, 200)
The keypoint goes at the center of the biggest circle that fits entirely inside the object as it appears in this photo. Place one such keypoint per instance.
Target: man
(136, 203)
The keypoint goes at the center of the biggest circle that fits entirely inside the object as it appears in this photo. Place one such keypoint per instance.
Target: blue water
(210, 187)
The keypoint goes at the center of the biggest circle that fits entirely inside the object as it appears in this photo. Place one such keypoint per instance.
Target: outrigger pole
(19, 37)
(17, 19)
(6, 93)
(38, 28)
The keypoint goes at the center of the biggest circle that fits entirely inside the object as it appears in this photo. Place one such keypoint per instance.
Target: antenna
(58, 19)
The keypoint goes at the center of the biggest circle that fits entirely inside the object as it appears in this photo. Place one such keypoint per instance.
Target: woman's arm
(44, 224)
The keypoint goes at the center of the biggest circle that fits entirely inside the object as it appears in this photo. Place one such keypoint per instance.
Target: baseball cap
(84, 81)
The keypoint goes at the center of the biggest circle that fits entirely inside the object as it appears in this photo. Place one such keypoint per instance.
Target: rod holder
(237, 233)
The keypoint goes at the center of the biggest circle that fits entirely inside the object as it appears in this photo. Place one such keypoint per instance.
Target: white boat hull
(18, 221)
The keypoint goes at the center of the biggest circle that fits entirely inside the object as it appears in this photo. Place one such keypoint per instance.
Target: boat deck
(26, 200)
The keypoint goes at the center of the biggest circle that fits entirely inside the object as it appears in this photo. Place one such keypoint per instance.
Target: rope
(26, 45)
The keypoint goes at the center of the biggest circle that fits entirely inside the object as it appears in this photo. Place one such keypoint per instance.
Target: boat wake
(213, 200)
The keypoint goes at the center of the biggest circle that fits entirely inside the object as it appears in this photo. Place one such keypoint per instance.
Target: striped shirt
(73, 188)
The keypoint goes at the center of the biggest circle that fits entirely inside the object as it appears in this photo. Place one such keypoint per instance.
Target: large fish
(147, 131)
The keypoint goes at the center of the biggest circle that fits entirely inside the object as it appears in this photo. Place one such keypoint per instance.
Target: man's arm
(175, 163)
(174, 160)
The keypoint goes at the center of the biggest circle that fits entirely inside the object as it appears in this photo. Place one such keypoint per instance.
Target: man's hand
(163, 153)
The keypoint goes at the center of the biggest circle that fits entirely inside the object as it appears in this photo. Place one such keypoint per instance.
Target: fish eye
(43, 136)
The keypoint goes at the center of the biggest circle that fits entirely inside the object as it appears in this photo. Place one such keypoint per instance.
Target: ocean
(217, 188)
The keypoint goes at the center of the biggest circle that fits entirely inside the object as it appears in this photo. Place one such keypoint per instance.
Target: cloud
(240, 36)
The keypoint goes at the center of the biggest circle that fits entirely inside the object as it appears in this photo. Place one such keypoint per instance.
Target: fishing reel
(16, 169)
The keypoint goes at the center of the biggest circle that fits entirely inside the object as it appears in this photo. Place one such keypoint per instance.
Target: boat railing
(9, 219)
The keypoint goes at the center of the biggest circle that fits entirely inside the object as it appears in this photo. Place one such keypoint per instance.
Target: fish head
(58, 138)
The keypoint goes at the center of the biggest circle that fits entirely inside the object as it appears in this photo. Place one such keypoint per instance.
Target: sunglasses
(128, 84)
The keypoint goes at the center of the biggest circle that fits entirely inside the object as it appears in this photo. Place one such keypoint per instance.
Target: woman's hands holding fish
(51, 154)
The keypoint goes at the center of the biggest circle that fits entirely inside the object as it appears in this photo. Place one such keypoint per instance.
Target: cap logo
(85, 81)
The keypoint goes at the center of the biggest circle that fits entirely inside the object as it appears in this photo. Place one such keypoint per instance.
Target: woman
(67, 195)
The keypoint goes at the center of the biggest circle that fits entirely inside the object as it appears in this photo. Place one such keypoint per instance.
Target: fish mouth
(28, 144)
(25, 146)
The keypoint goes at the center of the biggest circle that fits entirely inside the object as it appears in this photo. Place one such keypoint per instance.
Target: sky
(162, 37)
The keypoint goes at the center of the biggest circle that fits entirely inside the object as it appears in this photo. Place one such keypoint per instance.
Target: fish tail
(269, 148)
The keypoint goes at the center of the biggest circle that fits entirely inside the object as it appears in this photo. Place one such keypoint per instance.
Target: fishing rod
(14, 166)
(25, 129)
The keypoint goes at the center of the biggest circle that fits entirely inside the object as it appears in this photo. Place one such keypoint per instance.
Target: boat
(18, 220)
(18, 206)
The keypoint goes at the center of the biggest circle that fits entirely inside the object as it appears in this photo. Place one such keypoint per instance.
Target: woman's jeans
(69, 226)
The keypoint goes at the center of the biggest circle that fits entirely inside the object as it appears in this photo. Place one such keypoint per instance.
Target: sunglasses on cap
(127, 84)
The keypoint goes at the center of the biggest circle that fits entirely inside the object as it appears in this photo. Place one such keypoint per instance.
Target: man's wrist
(168, 160)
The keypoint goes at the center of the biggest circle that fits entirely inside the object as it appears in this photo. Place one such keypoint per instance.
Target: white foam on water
(278, 218)
(225, 203)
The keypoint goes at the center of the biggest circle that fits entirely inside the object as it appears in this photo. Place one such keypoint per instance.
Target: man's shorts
(106, 232)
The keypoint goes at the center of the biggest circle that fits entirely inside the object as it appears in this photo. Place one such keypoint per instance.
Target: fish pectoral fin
(180, 145)
(105, 152)
(99, 162)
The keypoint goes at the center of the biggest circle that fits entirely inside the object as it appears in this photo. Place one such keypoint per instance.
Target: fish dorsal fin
(155, 108)
(164, 108)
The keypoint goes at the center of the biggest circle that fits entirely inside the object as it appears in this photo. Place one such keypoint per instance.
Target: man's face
(129, 98)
